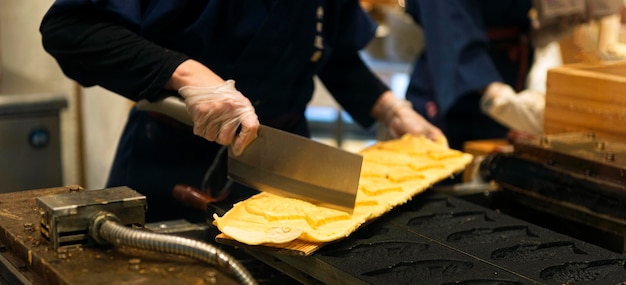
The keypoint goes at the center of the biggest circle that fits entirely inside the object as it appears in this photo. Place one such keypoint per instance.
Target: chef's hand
(519, 111)
(399, 118)
(218, 112)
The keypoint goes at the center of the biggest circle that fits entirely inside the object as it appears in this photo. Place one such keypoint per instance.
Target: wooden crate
(584, 97)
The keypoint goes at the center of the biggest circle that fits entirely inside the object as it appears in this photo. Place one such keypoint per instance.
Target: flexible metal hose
(105, 228)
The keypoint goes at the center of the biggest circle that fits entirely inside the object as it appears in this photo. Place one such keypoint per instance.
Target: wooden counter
(26, 258)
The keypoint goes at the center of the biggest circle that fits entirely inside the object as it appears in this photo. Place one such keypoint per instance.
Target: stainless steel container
(30, 144)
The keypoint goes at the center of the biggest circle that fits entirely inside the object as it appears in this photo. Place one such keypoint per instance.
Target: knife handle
(171, 106)
(191, 196)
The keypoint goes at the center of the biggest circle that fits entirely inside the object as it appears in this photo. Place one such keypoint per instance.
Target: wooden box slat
(587, 98)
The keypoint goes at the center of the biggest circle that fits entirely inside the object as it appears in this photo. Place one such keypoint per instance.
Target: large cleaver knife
(286, 164)
(294, 166)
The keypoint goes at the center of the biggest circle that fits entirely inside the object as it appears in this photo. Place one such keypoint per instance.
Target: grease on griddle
(490, 235)
(536, 251)
(446, 220)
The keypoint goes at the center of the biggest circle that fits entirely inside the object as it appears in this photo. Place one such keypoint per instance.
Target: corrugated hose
(105, 228)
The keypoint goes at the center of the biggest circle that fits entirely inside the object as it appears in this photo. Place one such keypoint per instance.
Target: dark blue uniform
(468, 44)
(271, 48)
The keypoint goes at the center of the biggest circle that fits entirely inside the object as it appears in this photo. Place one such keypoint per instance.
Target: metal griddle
(440, 239)
(574, 176)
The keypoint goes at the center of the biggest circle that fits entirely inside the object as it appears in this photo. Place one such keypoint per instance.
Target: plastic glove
(520, 112)
(217, 112)
(399, 118)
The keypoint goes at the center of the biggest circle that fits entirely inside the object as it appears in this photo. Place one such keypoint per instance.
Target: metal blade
(297, 167)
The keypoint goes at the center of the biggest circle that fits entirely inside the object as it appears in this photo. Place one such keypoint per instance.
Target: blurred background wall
(92, 121)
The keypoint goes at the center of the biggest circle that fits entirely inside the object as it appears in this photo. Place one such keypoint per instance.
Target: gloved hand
(217, 112)
(521, 112)
(398, 118)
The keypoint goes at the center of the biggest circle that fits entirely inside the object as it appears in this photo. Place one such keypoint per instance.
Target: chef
(235, 63)
(475, 51)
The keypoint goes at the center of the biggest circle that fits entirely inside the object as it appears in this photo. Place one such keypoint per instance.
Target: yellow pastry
(393, 172)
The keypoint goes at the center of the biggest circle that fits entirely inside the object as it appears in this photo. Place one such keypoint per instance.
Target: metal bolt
(600, 145)
(133, 264)
(591, 134)
(610, 156)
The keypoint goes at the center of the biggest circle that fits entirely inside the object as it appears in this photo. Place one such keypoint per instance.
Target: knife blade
(298, 167)
(285, 164)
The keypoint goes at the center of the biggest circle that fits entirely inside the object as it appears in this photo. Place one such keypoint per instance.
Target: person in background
(470, 79)
(236, 64)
